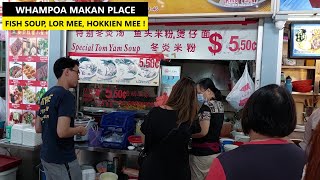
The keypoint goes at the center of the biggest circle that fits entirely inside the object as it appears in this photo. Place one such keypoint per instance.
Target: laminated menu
(27, 75)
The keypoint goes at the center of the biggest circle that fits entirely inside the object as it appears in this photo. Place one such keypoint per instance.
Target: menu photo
(42, 71)
(28, 116)
(29, 95)
(16, 94)
(15, 116)
(15, 70)
(29, 70)
(15, 46)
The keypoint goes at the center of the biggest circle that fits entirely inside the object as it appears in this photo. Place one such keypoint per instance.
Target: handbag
(143, 154)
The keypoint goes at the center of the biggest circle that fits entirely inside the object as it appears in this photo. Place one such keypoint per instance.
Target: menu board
(27, 74)
(121, 69)
(304, 41)
(120, 97)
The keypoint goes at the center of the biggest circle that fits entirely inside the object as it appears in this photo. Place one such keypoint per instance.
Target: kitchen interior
(304, 71)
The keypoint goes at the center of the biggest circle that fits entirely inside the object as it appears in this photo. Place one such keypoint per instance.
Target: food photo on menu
(237, 5)
(28, 116)
(15, 71)
(148, 74)
(127, 69)
(29, 95)
(16, 94)
(29, 70)
(42, 71)
(15, 116)
(16, 46)
(40, 91)
(87, 68)
(107, 69)
(29, 47)
(42, 47)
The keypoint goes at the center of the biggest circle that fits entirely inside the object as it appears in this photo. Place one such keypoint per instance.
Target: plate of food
(29, 95)
(87, 68)
(237, 5)
(29, 70)
(107, 69)
(29, 47)
(148, 74)
(42, 47)
(16, 46)
(15, 116)
(40, 93)
(127, 69)
(28, 117)
(15, 71)
(16, 94)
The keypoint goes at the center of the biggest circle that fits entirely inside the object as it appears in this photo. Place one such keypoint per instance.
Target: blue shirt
(56, 102)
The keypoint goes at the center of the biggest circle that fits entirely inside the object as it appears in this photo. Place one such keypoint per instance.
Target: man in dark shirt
(55, 121)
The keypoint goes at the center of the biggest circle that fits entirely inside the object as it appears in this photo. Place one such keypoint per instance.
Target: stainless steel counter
(5, 144)
(85, 146)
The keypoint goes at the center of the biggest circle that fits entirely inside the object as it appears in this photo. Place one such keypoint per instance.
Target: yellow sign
(75, 23)
(206, 7)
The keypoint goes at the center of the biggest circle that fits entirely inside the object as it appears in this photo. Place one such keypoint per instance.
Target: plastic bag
(241, 92)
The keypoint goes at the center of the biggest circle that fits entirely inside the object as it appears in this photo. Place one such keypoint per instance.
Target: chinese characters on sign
(27, 74)
(216, 41)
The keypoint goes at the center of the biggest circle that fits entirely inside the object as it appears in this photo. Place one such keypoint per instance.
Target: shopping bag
(241, 92)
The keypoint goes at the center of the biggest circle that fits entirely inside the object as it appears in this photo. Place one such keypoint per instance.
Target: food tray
(7, 162)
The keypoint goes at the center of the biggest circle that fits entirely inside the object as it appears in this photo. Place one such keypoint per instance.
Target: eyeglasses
(77, 71)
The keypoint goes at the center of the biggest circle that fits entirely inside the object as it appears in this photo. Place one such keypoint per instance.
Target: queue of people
(193, 111)
(269, 116)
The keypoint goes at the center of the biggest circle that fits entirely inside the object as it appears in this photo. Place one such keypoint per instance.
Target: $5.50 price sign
(149, 63)
(235, 44)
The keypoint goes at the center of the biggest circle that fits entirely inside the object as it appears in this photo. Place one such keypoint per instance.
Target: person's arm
(216, 171)
(38, 126)
(66, 111)
(204, 121)
(65, 131)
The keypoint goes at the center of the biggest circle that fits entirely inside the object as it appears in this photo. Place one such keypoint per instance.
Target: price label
(149, 63)
(120, 94)
(235, 44)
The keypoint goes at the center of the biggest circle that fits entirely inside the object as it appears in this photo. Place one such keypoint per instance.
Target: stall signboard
(125, 69)
(170, 75)
(169, 8)
(203, 41)
(121, 97)
(303, 6)
(27, 62)
(304, 41)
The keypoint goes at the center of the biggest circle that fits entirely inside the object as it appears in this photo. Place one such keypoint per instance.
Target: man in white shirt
(310, 126)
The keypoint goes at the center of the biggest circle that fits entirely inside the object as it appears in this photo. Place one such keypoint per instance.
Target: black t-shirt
(166, 146)
(214, 111)
(56, 102)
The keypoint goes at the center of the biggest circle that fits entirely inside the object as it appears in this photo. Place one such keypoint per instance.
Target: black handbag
(143, 154)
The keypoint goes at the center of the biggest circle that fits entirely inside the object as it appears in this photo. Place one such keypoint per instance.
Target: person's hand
(82, 130)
